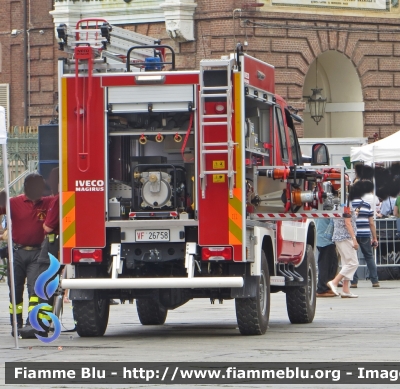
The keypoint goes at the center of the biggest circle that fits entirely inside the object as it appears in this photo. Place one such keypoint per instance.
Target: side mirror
(320, 155)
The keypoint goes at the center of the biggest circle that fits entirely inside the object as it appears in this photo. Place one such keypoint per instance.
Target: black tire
(91, 317)
(252, 314)
(151, 312)
(301, 300)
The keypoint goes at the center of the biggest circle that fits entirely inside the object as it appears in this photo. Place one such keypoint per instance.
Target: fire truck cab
(178, 185)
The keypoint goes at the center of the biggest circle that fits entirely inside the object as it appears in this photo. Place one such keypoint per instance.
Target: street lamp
(316, 102)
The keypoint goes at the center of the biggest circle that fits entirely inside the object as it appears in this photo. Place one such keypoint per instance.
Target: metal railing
(22, 148)
(387, 254)
(388, 250)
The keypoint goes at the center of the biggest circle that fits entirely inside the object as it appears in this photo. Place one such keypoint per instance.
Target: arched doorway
(342, 88)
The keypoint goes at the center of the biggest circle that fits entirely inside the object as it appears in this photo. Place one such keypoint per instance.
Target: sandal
(333, 288)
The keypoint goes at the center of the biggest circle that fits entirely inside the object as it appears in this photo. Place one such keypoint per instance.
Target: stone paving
(344, 330)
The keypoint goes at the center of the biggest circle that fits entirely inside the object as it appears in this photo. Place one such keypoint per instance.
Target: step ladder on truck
(182, 184)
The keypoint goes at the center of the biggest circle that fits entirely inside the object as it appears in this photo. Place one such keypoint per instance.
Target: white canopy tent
(384, 150)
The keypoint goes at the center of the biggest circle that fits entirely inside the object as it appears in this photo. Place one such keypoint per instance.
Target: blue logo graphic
(44, 288)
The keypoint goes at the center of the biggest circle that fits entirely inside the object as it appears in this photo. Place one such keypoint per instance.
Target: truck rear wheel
(253, 313)
(91, 317)
(151, 312)
(301, 300)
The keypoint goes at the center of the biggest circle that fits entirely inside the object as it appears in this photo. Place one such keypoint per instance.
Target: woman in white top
(373, 200)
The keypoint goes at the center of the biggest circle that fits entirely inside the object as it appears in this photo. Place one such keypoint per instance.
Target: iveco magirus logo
(45, 286)
(260, 75)
(89, 185)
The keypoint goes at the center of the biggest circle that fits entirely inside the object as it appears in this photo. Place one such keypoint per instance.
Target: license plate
(152, 235)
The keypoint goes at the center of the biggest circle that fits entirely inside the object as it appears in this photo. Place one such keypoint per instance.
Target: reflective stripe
(64, 133)
(18, 310)
(33, 301)
(44, 316)
(68, 221)
(294, 215)
(47, 308)
(235, 218)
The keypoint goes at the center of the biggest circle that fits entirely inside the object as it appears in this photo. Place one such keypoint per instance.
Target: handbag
(328, 233)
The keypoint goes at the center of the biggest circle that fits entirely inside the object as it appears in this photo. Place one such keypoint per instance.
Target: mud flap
(249, 288)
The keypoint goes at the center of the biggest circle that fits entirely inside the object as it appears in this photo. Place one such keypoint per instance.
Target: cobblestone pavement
(344, 330)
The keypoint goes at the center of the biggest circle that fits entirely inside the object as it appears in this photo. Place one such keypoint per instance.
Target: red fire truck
(178, 185)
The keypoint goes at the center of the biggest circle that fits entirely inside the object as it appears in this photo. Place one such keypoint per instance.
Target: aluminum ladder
(228, 147)
(106, 40)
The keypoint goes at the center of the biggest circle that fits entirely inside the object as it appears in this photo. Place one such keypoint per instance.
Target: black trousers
(327, 266)
(25, 268)
(49, 245)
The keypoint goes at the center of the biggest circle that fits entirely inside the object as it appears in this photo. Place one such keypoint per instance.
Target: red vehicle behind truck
(178, 185)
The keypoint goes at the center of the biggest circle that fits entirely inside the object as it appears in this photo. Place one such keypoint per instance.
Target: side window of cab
(294, 146)
(282, 134)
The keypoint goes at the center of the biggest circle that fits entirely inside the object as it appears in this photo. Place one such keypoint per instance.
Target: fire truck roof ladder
(107, 40)
(223, 92)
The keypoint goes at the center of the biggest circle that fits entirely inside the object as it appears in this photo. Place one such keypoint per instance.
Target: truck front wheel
(151, 312)
(253, 313)
(91, 317)
(301, 300)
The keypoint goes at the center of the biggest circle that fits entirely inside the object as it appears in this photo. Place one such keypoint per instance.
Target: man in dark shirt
(28, 212)
(51, 224)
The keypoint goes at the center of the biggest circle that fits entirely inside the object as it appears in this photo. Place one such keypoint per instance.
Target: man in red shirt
(50, 244)
(28, 212)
